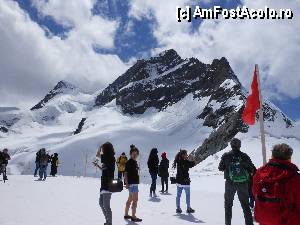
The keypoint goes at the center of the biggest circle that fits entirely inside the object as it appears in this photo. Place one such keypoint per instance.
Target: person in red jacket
(276, 188)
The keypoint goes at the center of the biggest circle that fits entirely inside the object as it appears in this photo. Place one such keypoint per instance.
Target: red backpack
(270, 195)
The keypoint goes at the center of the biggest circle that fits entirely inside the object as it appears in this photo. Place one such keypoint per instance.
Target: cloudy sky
(91, 42)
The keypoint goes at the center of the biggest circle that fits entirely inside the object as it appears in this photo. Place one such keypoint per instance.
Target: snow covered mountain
(164, 101)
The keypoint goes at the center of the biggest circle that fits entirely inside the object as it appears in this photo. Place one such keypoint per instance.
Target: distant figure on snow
(238, 168)
(163, 172)
(132, 180)
(121, 162)
(183, 180)
(44, 159)
(276, 187)
(37, 163)
(107, 155)
(4, 158)
(54, 164)
(153, 162)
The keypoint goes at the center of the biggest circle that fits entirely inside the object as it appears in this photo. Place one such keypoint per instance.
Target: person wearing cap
(163, 172)
(121, 162)
(276, 188)
(238, 168)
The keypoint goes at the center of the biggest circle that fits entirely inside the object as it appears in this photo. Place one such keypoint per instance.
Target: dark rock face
(60, 88)
(80, 125)
(218, 140)
(164, 80)
(3, 129)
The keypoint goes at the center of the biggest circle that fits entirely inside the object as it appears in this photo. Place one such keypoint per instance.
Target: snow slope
(168, 130)
(179, 104)
(68, 200)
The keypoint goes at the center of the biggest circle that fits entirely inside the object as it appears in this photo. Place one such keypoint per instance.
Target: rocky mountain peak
(62, 87)
(163, 80)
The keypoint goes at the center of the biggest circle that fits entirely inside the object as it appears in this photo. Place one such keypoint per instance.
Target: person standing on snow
(54, 164)
(37, 163)
(183, 180)
(132, 180)
(108, 162)
(163, 172)
(153, 162)
(4, 158)
(237, 167)
(44, 159)
(121, 162)
(276, 188)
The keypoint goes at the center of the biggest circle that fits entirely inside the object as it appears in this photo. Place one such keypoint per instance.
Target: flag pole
(261, 119)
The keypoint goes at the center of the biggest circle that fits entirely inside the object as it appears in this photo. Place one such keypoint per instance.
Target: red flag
(252, 103)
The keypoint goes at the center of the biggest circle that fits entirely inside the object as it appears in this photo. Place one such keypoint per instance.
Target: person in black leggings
(153, 162)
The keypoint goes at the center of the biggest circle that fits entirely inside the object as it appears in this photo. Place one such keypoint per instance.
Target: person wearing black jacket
(183, 180)
(107, 155)
(238, 168)
(37, 163)
(153, 162)
(132, 180)
(4, 158)
(54, 164)
(163, 172)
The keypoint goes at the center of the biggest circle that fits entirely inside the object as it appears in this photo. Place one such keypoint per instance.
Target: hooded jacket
(284, 174)
(121, 162)
(164, 168)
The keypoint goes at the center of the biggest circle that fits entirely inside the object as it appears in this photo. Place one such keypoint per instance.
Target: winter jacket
(44, 159)
(108, 171)
(37, 158)
(183, 167)
(163, 170)
(286, 176)
(227, 158)
(121, 162)
(4, 157)
(153, 164)
(54, 161)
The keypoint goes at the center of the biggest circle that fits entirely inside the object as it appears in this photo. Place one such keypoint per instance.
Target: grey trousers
(243, 194)
(104, 202)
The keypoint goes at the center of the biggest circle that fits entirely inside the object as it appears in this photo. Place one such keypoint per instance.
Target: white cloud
(274, 45)
(31, 63)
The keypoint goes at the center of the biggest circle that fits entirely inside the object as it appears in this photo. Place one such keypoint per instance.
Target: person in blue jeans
(43, 162)
(183, 180)
(153, 163)
(37, 163)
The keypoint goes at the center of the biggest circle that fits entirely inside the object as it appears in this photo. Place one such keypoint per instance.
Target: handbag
(115, 185)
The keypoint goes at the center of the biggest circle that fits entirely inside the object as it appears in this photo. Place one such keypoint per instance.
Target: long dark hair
(153, 155)
(179, 157)
(108, 152)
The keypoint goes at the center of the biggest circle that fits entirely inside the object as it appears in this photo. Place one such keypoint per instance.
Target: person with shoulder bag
(106, 153)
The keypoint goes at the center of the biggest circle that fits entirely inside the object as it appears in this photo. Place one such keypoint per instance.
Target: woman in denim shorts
(132, 180)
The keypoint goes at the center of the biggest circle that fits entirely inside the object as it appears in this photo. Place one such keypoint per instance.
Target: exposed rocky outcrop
(62, 87)
(80, 125)
(165, 79)
(3, 129)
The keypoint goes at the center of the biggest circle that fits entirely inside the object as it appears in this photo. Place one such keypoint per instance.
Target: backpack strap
(264, 199)
(279, 165)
